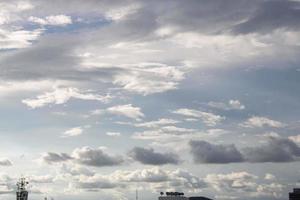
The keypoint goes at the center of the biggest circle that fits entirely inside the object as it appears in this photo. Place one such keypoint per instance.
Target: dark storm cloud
(204, 152)
(95, 157)
(275, 150)
(150, 157)
(51, 157)
(271, 15)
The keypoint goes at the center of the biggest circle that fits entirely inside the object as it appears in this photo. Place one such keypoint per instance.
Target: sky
(101, 98)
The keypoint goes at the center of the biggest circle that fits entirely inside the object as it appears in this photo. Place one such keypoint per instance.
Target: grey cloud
(84, 156)
(5, 162)
(95, 157)
(97, 184)
(271, 15)
(276, 150)
(150, 157)
(53, 57)
(51, 157)
(204, 152)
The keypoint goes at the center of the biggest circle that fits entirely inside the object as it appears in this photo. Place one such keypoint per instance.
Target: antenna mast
(22, 193)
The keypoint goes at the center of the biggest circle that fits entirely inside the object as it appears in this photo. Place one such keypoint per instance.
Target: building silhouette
(179, 196)
(295, 195)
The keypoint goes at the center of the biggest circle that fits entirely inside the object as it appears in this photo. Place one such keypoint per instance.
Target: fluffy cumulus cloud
(232, 181)
(207, 118)
(155, 178)
(150, 157)
(242, 185)
(259, 122)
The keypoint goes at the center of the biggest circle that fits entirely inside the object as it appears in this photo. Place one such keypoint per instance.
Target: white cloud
(231, 105)
(270, 134)
(61, 96)
(113, 134)
(157, 178)
(16, 39)
(9, 10)
(295, 138)
(153, 179)
(41, 179)
(126, 110)
(232, 181)
(53, 20)
(122, 12)
(73, 132)
(269, 176)
(157, 123)
(270, 190)
(243, 184)
(260, 122)
(67, 170)
(207, 118)
(149, 78)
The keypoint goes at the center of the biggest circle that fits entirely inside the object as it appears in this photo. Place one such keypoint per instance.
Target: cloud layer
(275, 150)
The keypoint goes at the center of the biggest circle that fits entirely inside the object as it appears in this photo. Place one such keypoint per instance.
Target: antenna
(136, 195)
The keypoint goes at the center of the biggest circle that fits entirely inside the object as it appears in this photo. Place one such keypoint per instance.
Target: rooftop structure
(179, 196)
(295, 195)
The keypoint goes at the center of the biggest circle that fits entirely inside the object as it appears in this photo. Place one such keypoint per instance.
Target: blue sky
(100, 98)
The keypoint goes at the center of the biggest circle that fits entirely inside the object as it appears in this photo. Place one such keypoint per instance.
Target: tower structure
(22, 193)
